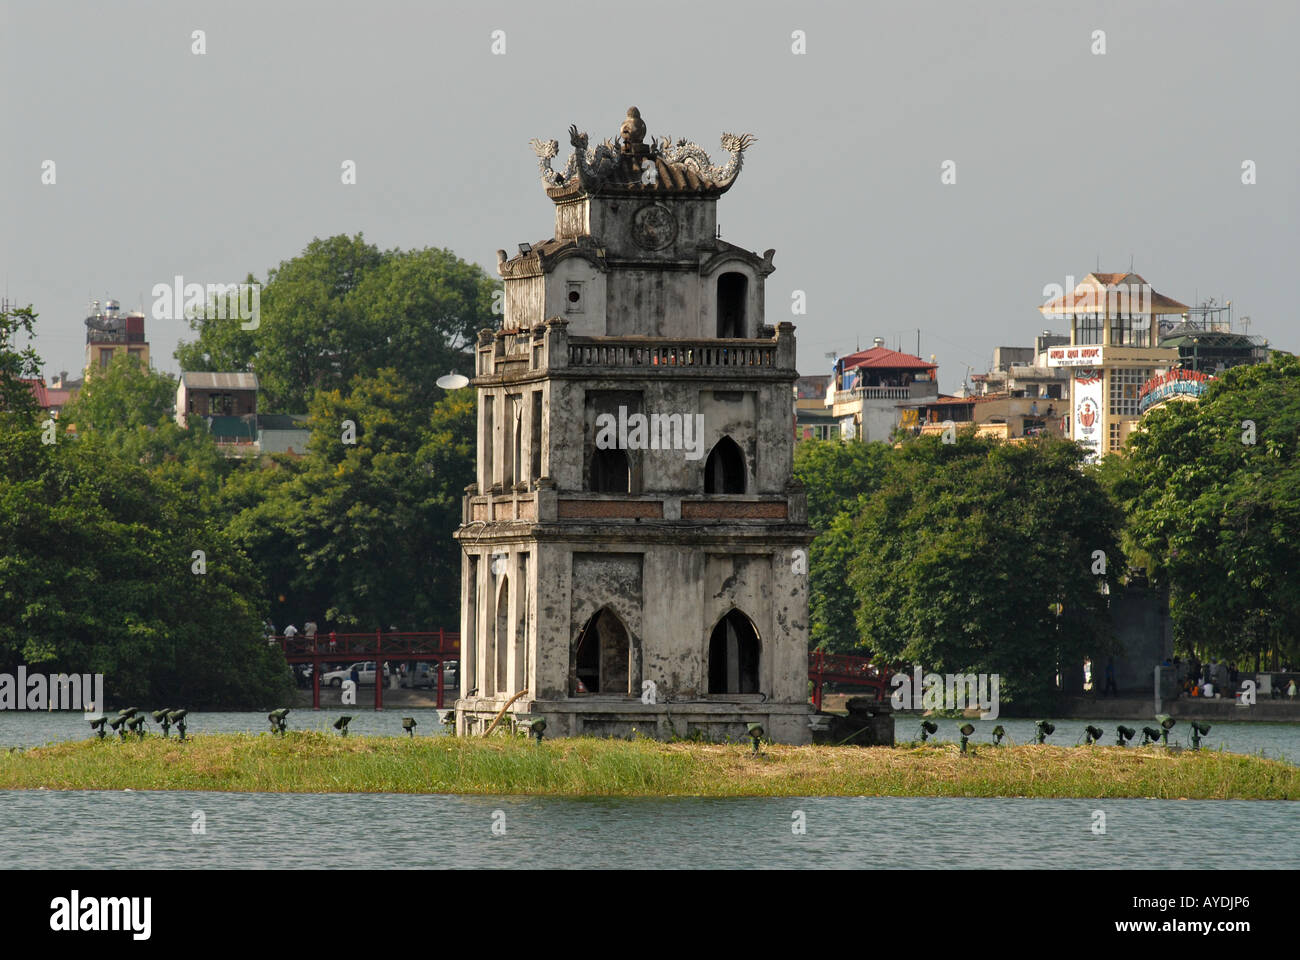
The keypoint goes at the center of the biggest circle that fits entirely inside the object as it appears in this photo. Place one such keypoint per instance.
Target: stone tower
(634, 545)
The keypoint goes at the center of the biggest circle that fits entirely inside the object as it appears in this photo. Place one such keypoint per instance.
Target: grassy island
(310, 762)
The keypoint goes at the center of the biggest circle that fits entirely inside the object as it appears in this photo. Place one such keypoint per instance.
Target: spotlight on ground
(178, 718)
(998, 733)
(1042, 730)
(1166, 724)
(966, 730)
(928, 727)
(276, 717)
(1198, 730)
(1150, 735)
(119, 726)
(341, 725)
(1093, 733)
(128, 711)
(755, 735)
(409, 725)
(98, 725)
(136, 724)
(163, 719)
(1123, 735)
(537, 727)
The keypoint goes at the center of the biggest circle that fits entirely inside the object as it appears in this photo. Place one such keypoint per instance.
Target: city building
(813, 420)
(110, 333)
(1116, 323)
(872, 388)
(227, 403)
(632, 545)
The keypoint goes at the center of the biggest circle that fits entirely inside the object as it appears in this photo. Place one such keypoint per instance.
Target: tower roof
(628, 164)
(1095, 291)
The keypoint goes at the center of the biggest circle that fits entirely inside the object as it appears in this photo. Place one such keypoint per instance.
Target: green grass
(309, 762)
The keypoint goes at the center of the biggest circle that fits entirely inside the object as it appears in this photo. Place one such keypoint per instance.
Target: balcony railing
(603, 353)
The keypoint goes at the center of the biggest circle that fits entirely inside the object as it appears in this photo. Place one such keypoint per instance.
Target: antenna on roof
(1099, 263)
(1130, 263)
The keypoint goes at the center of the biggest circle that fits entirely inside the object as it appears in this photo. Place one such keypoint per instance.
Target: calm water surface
(40, 829)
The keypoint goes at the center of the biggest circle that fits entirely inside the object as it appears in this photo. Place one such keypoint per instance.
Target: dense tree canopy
(343, 308)
(98, 574)
(961, 558)
(1212, 494)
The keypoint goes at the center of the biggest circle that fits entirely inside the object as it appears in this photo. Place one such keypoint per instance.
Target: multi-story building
(631, 545)
(872, 387)
(813, 420)
(110, 333)
(227, 403)
(1115, 328)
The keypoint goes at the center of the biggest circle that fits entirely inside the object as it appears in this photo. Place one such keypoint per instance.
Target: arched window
(733, 290)
(724, 471)
(501, 642)
(733, 655)
(602, 657)
(610, 471)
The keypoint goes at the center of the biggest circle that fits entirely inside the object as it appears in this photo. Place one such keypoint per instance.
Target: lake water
(96, 830)
(106, 830)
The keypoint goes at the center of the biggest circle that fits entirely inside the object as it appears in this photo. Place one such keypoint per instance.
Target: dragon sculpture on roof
(596, 166)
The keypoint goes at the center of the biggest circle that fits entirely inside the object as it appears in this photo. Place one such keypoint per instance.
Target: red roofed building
(872, 386)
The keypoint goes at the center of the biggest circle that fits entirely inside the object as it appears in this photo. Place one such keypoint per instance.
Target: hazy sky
(213, 166)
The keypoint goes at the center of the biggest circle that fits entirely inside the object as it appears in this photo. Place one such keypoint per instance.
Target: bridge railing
(369, 646)
(843, 668)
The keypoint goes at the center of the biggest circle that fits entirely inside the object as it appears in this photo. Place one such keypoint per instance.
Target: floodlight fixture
(178, 718)
(1150, 735)
(1123, 735)
(966, 730)
(998, 733)
(98, 725)
(163, 719)
(276, 717)
(409, 725)
(755, 735)
(525, 248)
(537, 727)
(1198, 730)
(136, 723)
(1166, 724)
(928, 727)
(119, 726)
(1093, 734)
(128, 711)
(341, 725)
(1042, 730)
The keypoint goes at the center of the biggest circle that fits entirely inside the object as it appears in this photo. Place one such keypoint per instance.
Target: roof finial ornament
(633, 131)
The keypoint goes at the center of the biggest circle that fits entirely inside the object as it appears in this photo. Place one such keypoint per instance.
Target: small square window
(574, 297)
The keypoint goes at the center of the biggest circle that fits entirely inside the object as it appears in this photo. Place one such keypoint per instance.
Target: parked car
(365, 675)
(425, 676)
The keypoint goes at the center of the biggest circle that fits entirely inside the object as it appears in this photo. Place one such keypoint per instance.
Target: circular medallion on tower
(654, 226)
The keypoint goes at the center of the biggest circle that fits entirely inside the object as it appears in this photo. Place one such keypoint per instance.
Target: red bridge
(844, 669)
(434, 646)
(439, 646)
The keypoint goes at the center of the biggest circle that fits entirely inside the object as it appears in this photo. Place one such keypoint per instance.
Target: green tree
(17, 364)
(835, 476)
(964, 554)
(344, 308)
(360, 533)
(99, 574)
(1212, 491)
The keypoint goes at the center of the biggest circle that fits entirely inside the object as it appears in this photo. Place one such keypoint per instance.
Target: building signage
(1175, 383)
(1087, 411)
(1074, 356)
